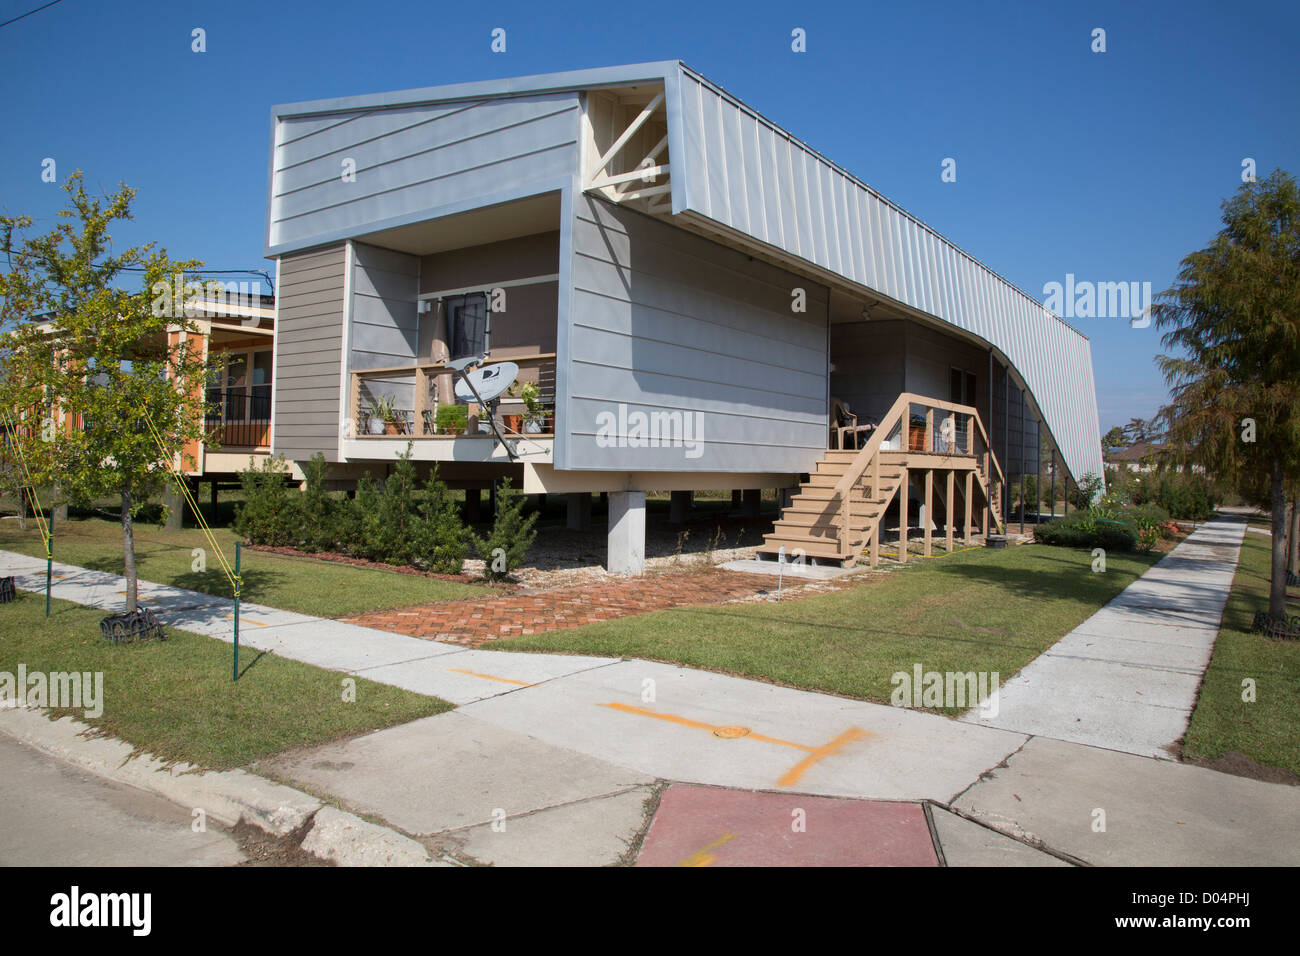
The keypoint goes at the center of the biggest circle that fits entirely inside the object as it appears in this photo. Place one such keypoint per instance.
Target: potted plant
(916, 433)
(452, 419)
(385, 418)
(534, 412)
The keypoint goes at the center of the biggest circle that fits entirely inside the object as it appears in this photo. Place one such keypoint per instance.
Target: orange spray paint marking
(503, 680)
(704, 857)
(791, 776)
(729, 732)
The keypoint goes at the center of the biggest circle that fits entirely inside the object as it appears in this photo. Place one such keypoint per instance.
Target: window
(466, 324)
(961, 386)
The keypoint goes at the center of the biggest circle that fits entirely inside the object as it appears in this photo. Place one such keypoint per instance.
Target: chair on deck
(845, 424)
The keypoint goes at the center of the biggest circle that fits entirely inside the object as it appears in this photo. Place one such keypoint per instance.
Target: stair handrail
(863, 459)
(840, 493)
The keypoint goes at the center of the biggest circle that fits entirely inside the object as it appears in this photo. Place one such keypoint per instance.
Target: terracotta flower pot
(392, 428)
(916, 438)
(513, 422)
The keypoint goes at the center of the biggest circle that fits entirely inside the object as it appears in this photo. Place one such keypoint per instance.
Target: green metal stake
(235, 672)
(49, 561)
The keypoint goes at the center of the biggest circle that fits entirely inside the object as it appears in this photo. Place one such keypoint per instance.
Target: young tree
(1234, 317)
(102, 362)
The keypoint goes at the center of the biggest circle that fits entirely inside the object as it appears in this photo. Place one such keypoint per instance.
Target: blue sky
(1110, 166)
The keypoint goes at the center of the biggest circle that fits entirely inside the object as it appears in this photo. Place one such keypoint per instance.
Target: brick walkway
(476, 622)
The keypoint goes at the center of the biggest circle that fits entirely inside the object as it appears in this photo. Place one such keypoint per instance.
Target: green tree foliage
(108, 382)
(1232, 321)
(507, 544)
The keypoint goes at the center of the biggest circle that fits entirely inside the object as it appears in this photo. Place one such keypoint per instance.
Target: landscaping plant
(506, 546)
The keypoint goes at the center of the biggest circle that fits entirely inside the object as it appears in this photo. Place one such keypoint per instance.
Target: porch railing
(922, 426)
(413, 391)
(239, 417)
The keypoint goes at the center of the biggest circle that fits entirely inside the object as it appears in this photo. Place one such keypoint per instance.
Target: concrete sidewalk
(560, 760)
(1126, 678)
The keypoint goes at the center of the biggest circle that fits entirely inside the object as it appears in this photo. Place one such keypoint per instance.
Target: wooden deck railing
(956, 434)
(417, 419)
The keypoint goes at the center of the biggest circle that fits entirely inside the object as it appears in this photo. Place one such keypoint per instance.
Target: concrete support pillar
(626, 543)
(752, 501)
(579, 506)
(215, 489)
(473, 506)
(679, 507)
(175, 505)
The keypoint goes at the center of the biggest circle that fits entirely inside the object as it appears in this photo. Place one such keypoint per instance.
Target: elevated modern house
(696, 294)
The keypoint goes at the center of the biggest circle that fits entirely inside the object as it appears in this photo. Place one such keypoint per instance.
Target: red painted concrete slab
(707, 826)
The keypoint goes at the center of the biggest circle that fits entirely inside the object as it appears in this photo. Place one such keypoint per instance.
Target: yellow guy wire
(236, 582)
(30, 487)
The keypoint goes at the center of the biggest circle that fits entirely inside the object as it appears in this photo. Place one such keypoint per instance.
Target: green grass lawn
(306, 585)
(176, 699)
(977, 610)
(1267, 730)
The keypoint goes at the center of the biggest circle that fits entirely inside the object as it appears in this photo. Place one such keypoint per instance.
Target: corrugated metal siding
(309, 353)
(804, 205)
(412, 159)
(663, 320)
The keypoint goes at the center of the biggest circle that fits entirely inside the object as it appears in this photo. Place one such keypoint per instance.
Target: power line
(29, 13)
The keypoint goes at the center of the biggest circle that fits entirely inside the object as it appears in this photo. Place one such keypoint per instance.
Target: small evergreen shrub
(442, 540)
(318, 531)
(270, 513)
(506, 546)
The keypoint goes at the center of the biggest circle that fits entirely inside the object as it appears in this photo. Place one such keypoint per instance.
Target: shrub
(1147, 514)
(1093, 528)
(506, 546)
(351, 524)
(270, 514)
(442, 539)
(318, 531)
(390, 529)
(1085, 491)
(1186, 496)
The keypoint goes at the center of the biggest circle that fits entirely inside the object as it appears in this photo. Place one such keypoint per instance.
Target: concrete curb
(227, 796)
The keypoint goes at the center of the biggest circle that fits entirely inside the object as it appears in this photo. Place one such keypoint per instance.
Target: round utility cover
(490, 381)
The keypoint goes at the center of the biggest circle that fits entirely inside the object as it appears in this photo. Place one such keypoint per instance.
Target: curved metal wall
(736, 168)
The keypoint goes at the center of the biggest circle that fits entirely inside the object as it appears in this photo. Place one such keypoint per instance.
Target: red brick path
(478, 621)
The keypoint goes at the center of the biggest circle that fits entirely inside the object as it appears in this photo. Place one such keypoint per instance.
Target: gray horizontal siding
(385, 323)
(665, 322)
(309, 353)
(740, 171)
(412, 159)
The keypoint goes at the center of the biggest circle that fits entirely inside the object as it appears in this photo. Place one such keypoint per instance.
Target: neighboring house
(691, 290)
(1142, 456)
(238, 334)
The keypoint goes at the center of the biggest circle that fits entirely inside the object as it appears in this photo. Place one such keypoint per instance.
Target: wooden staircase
(839, 512)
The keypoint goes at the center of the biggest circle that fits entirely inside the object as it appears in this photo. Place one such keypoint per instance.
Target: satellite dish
(460, 364)
(490, 382)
